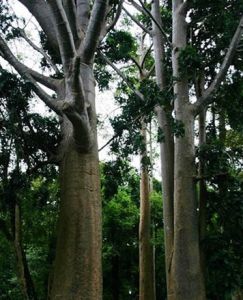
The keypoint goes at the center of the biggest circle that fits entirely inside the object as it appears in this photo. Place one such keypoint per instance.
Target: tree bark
(202, 191)
(146, 265)
(166, 151)
(77, 267)
(24, 277)
(186, 265)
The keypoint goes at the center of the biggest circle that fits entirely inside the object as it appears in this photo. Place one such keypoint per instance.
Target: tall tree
(73, 30)
(166, 143)
(186, 257)
(181, 218)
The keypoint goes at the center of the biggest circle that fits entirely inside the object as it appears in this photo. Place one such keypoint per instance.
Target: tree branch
(146, 55)
(71, 12)
(82, 130)
(137, 6)
(76, 84)
(183, 7)
(64, 33)
(135, 20)
(206, 98)
(150, 72)
(137, 64)
(106, 59)
(49, 82)
(41, 11)
(25, 72)
(83, 10)
(94, 30)
(148, 13)
(40, 50)
(116, 18)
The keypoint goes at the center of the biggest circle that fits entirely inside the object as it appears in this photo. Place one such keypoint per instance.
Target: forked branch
(39, 49)
(207, 96)
(41, 11)
(110, 63)
(28, 74)
(136, 21)
(64, 33)
(95, 26)
(116, 18)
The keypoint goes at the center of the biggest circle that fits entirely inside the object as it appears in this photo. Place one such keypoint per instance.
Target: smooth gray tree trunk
(166, 150)
(186, 267)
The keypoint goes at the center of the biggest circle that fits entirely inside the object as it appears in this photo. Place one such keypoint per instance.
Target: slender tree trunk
(25, 280)
(146, 260)
(186, 265)
(77, 266)
(222, 182)
(166, 152)
(202, 191)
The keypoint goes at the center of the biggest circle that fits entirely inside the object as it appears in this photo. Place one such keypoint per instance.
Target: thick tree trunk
(166, 151)
(77, 268)
(146, 260)
(24, 277)
(186, 259)
(186, 265)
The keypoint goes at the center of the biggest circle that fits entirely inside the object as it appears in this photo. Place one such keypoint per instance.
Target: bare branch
(146, 55)
(206, 98)
(137, 6)
(106, 59)
(150, 72)
(139, 116)
(41, 11)
(137, 64)
(71, 12)
(135, 20)
(29, 76)
(64, 33)
(116, 18)
(40, 50)
(148, 13)
(49, 82)
(94, 30)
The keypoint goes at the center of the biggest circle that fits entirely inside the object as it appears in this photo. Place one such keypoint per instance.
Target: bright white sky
(105, 104)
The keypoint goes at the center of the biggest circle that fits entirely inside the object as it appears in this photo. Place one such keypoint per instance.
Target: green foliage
(189, 62)
(223, 164)
(102, 76)
(127, 125)
(26, 141)
(119, 46)
(177, 128)
(230, 99)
